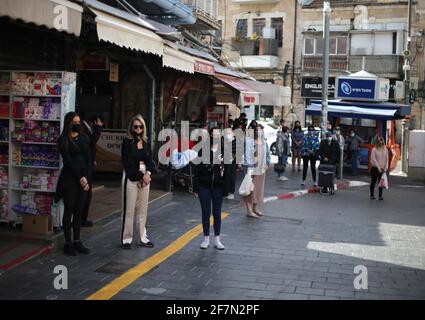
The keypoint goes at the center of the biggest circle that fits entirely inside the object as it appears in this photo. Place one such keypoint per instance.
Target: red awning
(247, 97)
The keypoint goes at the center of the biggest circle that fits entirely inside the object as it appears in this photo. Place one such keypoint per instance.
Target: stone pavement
(304, 248)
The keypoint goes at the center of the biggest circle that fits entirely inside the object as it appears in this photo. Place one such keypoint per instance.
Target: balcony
(256, 62)
(380, 65)
(206, 12)
(315, 63)
(259, 47)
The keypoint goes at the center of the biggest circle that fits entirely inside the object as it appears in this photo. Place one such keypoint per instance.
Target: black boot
(80, 248)
(69, 250)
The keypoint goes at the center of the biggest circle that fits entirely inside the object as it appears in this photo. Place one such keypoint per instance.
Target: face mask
(338, 132)
(329, 139)
(76, 127)
(352, 134)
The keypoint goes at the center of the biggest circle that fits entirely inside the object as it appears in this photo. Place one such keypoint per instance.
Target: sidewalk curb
(300, 193)
(26, 257)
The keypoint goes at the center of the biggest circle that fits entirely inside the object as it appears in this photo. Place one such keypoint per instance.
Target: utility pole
(406, 69)
(325, 79)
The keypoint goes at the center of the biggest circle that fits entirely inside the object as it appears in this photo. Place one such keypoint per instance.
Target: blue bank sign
(356, 89)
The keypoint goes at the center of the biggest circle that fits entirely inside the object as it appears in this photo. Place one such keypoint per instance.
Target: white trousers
(135, 201)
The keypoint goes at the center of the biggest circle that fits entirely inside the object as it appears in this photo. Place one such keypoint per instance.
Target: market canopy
(247, 97)
(178, 60)
(61, 15)
(125, 34)
(352, 111)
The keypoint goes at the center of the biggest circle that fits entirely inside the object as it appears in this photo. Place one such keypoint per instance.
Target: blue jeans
(283, 160)
(354, 157)
(206, 197)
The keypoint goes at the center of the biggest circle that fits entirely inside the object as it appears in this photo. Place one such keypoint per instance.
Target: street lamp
(325, 79)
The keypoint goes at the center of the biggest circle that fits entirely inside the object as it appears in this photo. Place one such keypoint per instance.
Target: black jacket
(131, 164)
(212, 176)
(77, 162)
(332, 151)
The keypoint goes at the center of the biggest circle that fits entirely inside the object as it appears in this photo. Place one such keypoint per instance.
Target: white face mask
(352, 134)
(329, 139)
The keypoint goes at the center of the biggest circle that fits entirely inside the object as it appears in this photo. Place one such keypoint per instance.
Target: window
(309, 46)
(332, 46)
(259, 25)
(277, 24)
(337, 45)
(342, 45)
(242, 28)
(379, 43)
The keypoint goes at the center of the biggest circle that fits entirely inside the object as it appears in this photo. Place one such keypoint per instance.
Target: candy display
(36, 108)
(4, 106)
(4, 178)
(41, 179)
(37, 83)
(36, 131)
(42, 203)
(4, 130)
(37, 156)
(4, 82)
(4, 205)
(4, 154)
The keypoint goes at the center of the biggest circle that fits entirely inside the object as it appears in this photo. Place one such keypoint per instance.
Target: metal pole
(406, 68)
(325, 79)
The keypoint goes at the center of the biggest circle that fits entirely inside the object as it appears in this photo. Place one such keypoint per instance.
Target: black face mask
(76, 128)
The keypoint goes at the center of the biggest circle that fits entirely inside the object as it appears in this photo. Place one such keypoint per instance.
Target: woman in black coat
(210, 185)
(73, 184)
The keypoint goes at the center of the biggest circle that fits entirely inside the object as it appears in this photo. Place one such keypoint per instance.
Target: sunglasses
(135, 127)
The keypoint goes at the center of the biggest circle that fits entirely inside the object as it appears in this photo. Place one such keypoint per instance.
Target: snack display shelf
(34, 167)
(33, 142)
(32, 190)
(33, 119)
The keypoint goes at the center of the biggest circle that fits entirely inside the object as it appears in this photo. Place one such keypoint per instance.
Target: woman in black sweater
(138, 166)
(73, 183)
(210, 185)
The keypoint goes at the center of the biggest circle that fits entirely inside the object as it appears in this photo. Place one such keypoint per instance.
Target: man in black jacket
(93, 129)
(329, 151)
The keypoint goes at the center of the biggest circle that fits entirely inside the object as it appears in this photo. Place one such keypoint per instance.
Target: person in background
(256, 160)
(341, 142)
(210, 186)
(138, 167)
(329, 152)
(354, 142)
(93, 130)
(73, 184)
(379, 164)
(309, 153)
(243, 116)
(232, 168)
(296, 146)
(374, 138)
(282, 150)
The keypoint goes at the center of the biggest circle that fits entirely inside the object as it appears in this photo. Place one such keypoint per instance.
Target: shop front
(363, 108)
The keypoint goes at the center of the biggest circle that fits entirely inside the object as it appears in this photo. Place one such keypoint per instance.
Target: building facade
(369, 32)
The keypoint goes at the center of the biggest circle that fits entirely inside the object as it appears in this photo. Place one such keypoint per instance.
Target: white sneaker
(206, 243)
(217, 244)
(231, 196)
(283, 178)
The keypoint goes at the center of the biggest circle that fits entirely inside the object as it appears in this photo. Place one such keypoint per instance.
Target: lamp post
(325, 79)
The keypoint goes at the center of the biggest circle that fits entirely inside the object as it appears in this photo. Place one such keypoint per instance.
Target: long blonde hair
(130, 130)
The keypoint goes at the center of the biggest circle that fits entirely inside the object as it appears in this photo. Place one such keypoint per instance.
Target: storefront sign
(249, 99)
(356, 89)
(311, 87)
(114, 72)
(108, 151)
(202, 67)
(93, 62)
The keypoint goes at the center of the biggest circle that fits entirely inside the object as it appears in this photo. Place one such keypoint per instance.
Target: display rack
(33, 105)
